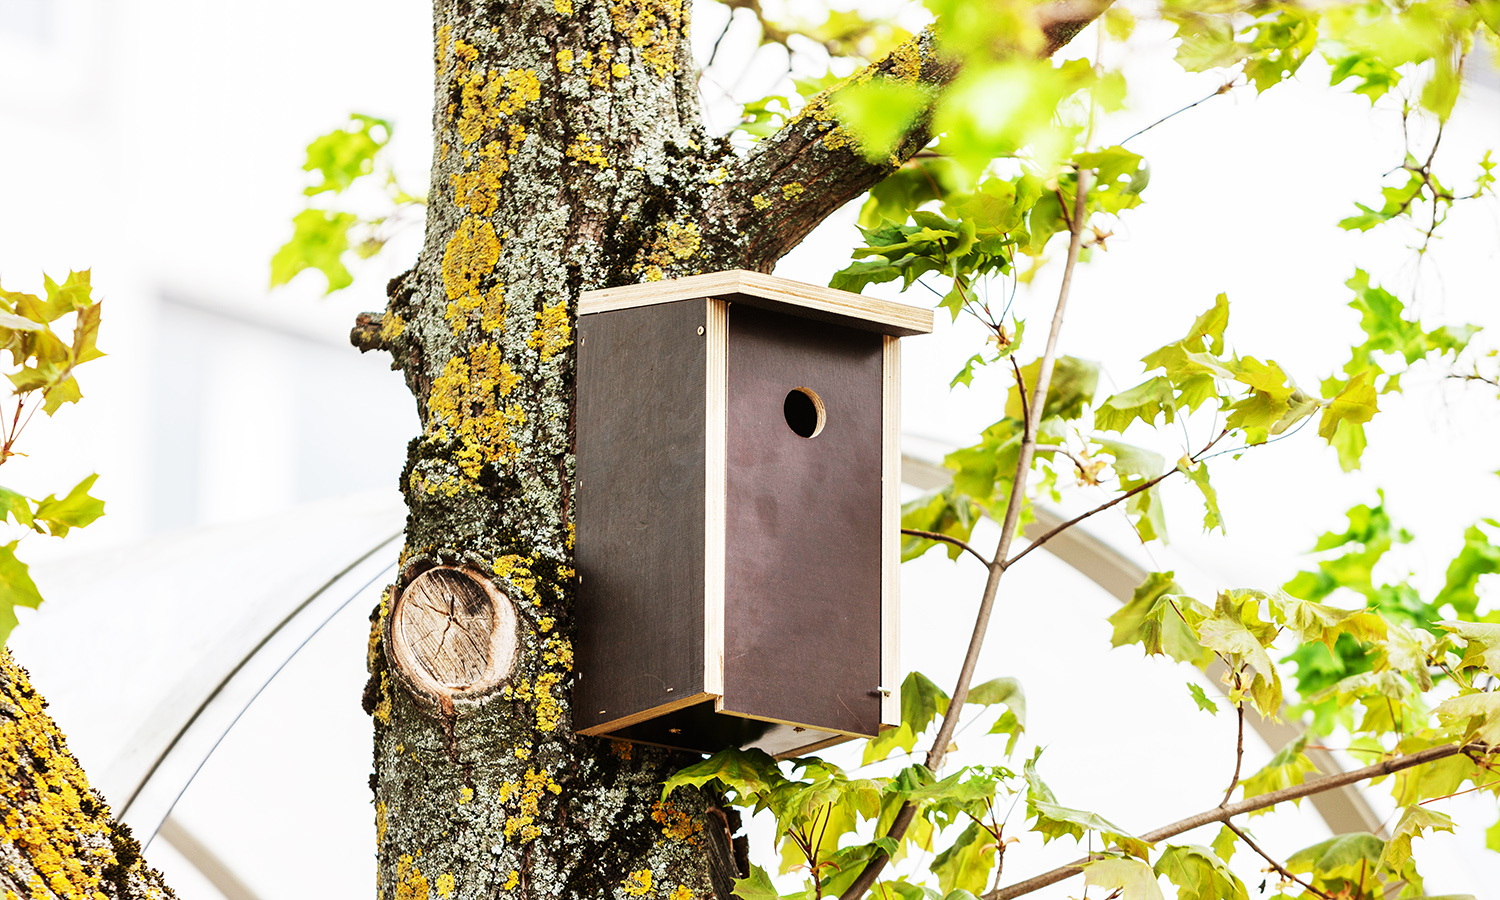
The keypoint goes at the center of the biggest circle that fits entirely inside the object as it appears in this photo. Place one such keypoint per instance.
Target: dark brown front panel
(802, 575)
(640, 515)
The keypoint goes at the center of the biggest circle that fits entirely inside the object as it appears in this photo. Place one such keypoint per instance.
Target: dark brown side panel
(640, 509)
(802, 576)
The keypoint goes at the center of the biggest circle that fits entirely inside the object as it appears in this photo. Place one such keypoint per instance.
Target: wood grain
(452, 632)
(769, 292)
(890, 534)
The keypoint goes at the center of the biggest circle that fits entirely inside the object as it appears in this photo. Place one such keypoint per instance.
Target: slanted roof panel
(769, 292)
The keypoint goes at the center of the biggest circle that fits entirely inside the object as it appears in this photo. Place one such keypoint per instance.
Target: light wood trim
(645, 715)
(757, 289)
(816, 746)
(715, 482)
(890, 535)
(719, 708)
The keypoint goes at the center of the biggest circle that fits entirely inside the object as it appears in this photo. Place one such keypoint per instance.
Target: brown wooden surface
(640, 509)
(803, 567)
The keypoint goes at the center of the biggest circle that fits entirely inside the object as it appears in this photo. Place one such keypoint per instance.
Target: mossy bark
(58, 838)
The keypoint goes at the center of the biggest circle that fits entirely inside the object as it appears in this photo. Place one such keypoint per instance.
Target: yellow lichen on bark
(380, 822)
(680, 893)
(638, 884)
(583, 151)
(553, 332)
(411, 884)
(471, 255)
(676, 824)
(653, 27)
(444, 885)
(59, 826)
(465, 405)
(487, 97)
(520, 825)
(565, 61)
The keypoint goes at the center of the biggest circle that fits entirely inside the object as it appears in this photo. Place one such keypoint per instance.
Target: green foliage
(322, 237)
(44, 364)
(1199, 873)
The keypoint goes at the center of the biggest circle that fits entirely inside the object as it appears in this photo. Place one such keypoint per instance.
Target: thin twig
(1224, 88)
(1471, 790)
(1239, 750)
(1280, 869)
(947, 539)
(1017, 498)
(1250, 804)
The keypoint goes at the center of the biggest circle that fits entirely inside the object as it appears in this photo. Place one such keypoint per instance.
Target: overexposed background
(159, 142)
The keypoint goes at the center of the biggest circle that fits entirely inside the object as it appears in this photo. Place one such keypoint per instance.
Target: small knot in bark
(365, 334)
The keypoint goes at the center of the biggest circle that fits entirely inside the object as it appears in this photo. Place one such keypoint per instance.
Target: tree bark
(569, 155)
(59, 839)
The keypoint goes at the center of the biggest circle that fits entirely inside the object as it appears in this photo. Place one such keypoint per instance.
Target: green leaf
(1198, 475)
(347, 153)
(1135, 466)
(757, 887)
(1225, 843)
(15, 506)
(880, 111)
(75, 510)
(1069, 393)
(1161, 619)
(1132, 877)
(1478, 715)
(1288, 767)
(1346, 857)
(1145, 401)
(749, 773)
(921, 700)
(966, 865)
(16, 589)
(1414, 821)
(1202, 699)
(1199, 874)
(1355, 404)
(1479, 557)
(1481, 644)
(318, 240)
(1236, 630)
(1054, 821)
(946, 512)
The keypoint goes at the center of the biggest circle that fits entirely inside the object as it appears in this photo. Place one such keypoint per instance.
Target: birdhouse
(738, 520)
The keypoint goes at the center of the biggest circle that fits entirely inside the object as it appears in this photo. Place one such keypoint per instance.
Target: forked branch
(795, 178)
(1261, 801)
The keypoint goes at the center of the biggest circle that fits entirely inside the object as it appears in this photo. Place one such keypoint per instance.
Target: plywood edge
(756, 288)
(890, 535)
(720, 708)
(603, 729)
(716, 488)
(815, 746)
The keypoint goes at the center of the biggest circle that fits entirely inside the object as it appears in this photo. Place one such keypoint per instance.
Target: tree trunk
(59, 840)
(568, 155)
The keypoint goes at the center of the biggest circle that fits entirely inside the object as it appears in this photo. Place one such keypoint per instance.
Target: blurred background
(249, 456)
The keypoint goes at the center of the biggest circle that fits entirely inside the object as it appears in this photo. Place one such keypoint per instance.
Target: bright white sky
(159, 142)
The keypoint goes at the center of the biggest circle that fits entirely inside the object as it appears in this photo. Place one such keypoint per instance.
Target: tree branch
(947, 539)
(793, 180)
(1250, 804)
(1280, 869)
(1017, 498)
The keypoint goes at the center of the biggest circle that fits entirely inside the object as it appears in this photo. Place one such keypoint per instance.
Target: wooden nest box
(738, 521)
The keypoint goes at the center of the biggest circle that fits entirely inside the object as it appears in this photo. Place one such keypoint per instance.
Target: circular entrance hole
(804, 412)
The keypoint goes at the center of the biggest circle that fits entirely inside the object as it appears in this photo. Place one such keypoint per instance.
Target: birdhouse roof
(769, 292)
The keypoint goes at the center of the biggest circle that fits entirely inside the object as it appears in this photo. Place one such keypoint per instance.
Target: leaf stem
(1239, 750)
